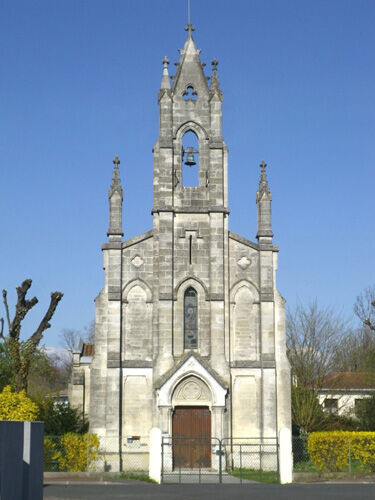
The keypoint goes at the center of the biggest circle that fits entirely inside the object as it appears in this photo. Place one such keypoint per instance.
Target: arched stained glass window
(190, 319)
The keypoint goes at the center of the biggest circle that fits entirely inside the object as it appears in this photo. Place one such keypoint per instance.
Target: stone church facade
(189, 316)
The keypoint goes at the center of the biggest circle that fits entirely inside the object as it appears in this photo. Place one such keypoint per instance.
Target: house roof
(88, 349)
(349, 380)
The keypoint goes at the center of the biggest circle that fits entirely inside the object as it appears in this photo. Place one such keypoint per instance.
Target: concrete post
(155, 455)
(33, 454)
(285, 456)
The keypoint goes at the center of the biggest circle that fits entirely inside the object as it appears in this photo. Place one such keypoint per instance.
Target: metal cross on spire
(263, 165)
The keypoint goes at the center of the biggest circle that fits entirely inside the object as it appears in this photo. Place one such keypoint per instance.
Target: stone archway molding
(189, 368)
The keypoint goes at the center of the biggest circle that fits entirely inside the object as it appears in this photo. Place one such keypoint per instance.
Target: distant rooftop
(88, 349)
(349, 380)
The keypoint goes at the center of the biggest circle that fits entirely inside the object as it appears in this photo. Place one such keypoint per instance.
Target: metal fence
(211, 460)
(88, 452)
(252, 458)
(301, 458)
(183, 460)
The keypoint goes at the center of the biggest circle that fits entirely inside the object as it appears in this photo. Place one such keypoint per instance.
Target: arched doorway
(191, 424)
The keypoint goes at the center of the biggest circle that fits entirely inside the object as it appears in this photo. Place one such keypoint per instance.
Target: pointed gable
(191, 364)
(190, 71)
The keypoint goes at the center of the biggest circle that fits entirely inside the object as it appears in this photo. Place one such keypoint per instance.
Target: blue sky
(79, 82)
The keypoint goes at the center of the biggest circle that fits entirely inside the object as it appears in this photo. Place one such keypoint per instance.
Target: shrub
(365, 413)
(60, 418)
(307, 412)
(330, 450)
(51, 455)
(16, 406)
(78, 452)
(362, 447)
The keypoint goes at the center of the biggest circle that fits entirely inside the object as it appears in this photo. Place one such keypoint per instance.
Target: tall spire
(115, 195)
(165, 83)
(263, 200)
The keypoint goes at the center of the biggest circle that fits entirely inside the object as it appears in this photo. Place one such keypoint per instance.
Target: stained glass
(190, 319)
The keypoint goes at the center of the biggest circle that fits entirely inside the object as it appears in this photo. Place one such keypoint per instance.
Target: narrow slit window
(190, 245)
(190, 319)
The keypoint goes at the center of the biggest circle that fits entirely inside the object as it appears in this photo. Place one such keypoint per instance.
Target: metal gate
(202, 459)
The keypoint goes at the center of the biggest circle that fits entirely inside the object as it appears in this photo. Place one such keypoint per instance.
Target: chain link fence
(184, 460)
(253, 459)
(301, 458)
(89, 453)
(210, 460)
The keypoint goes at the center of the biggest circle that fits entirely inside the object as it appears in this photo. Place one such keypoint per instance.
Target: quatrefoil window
(190, 94)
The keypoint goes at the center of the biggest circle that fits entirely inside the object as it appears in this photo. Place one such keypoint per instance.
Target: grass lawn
(139, 476)
(268, 476)
(308, 466)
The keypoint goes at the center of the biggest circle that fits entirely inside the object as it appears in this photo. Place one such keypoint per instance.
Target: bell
(190, 160)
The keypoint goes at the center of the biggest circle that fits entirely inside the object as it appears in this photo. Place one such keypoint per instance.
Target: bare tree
(356, 353)
(70, 336)
(22, 352)
(364, 307)
(313, 336)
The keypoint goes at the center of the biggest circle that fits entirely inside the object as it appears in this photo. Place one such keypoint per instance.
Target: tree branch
(368, 323)
(23, 306)
(36, 337)
(6, 307)
(2, 328)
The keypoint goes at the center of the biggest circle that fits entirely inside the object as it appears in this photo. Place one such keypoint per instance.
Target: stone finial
(189, 28)
(165, 83)
(215, 85)
(115, 204)
(263, 183)
(116, 161)
(263, 200)
(116, 183)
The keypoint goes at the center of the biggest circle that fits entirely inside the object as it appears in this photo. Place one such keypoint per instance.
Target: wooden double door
(191, 431)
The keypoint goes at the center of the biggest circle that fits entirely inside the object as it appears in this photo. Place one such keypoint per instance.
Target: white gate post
(155, 455)
(285, 456)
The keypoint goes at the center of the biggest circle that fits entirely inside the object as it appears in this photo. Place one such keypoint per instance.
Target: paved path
(143, 491)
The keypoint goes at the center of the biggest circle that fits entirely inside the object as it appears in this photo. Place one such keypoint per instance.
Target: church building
(189, 326)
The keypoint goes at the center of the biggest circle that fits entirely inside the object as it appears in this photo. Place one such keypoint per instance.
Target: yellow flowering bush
(330, 450)
(16, 406)
(362, 447)
(51, 455)
(78, 451)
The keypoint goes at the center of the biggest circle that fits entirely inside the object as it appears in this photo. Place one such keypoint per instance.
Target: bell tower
(190, 203)
(190, 135)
